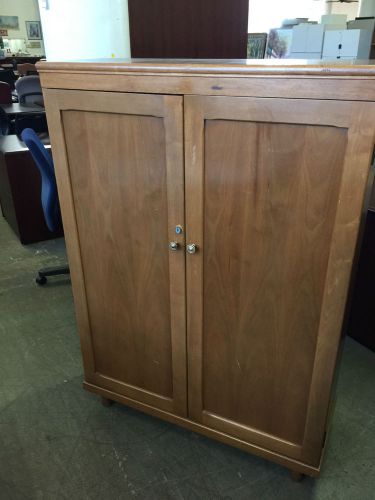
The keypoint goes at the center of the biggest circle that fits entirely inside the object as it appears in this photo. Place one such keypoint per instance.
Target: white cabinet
(307, 41)
(348, 44)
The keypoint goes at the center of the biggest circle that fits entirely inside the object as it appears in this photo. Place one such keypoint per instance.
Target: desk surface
(12, 144)
(16, 108)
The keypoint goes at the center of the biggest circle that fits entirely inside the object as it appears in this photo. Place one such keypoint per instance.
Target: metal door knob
(191, 248)
(173, 245)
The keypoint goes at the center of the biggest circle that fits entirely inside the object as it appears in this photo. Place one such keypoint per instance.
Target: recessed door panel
(125, 167)
(265, 180)
(269, 205)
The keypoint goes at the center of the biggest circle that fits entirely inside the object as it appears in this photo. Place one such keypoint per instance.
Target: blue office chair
(49, 197)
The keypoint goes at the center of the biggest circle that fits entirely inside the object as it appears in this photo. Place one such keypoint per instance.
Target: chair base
(41, 279)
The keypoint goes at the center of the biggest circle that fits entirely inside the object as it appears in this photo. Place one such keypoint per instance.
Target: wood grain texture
(262, 202)
(359, 89)
(120, 198)
(270, 199)
(353, 191)
(121, 167)
(170, 28)
(206, 431)
(277, 158)
(246, 67)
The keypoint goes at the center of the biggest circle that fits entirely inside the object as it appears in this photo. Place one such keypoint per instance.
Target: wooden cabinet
(349, 44)
(211, 216)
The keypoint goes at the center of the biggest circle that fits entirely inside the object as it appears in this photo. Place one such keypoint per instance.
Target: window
(267, 14)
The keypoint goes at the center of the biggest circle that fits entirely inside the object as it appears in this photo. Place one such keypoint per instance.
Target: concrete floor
(58, 442)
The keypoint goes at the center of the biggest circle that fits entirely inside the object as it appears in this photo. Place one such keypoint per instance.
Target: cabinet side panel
(270, 197)
(118, 173)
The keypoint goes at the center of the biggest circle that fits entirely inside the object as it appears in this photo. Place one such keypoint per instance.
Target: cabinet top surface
(215, 66)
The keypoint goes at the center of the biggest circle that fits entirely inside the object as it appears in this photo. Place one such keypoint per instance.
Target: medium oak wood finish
(279, 199)
(272, 188)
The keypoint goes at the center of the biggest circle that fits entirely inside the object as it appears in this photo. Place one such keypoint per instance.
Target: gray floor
(58, 442)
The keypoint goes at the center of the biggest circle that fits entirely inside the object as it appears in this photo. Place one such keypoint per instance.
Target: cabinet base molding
(298, 469)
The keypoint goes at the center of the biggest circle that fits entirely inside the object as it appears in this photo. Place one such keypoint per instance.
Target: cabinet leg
(106, 402)
(296, 476)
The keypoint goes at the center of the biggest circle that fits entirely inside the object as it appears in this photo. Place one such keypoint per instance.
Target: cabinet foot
(106, 402)
(296, 476)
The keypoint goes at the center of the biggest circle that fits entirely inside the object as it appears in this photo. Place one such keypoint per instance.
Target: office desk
(20, 191)
(21, 109)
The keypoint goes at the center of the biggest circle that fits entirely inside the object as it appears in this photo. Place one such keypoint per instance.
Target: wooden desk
(22, 109)
(20, 191)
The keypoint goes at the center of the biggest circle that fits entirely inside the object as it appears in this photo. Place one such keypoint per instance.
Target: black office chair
(49, 197)
(36, 121)
(4, 122)
(7, 76)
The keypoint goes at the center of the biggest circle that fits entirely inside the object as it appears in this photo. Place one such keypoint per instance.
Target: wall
(366, 8)
(267, 14)
(85, 29)
(26, 10)
(350, 9)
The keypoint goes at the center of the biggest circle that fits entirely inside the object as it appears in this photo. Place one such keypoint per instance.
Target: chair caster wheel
(41, 280)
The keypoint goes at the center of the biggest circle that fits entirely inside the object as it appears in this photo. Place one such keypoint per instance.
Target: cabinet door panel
(125, 169)
(274, 190)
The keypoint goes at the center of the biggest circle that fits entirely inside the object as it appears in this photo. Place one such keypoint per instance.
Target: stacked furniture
(347, 44)
(332, 40)
(307, 41)
(367, 24)
(211, 215)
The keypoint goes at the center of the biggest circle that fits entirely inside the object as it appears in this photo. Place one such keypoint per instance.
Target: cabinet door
(119, 166)
(350, 42)
(274, 192)
(332, 41)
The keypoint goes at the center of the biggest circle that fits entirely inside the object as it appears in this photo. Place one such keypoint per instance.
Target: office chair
(29, 90)
(5, 93)
(9, 77)
(4, 122)
(35, 121)
(49, 197)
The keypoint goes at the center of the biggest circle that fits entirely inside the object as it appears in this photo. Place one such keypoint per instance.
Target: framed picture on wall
(34, 30)
(9, 22)
(256, 45)
(279, 43)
